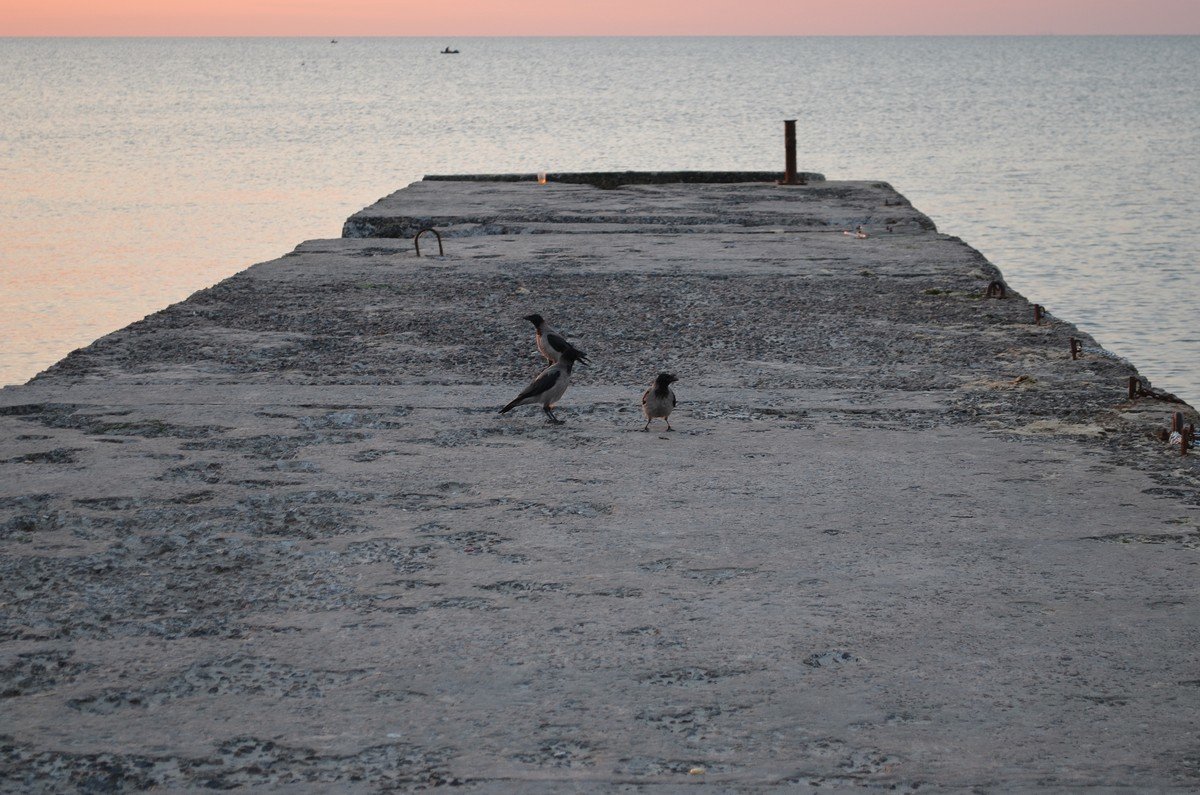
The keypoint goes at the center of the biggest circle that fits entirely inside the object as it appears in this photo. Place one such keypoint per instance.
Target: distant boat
(449, 51)
(333, 41)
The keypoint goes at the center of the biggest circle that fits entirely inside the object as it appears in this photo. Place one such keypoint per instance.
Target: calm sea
(136, 171)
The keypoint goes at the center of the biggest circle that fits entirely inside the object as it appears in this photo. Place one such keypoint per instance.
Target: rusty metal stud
(995, 290)
(1183, 444)
(1177, 422)
(1037, 314)
(438, 235)
(1076, 348)
(1135, 386)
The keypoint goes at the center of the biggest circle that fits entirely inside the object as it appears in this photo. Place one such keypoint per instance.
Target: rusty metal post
(790, 177)
(1037, 314)
(1134, 386)
(789, 148)
(1177, 422)
(1076, 348)
(1183, 444)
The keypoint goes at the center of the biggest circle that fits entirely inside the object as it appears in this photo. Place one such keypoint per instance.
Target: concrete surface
(277, 536)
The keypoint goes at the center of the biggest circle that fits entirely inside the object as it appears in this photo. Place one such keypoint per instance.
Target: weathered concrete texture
(617, 179)
(278, 536)
(495, 207)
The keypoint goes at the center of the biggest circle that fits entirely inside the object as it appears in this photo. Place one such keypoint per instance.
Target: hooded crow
(549, 386)
(550, 343)
(658, 400)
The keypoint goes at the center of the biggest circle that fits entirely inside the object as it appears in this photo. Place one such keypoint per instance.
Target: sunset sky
(593, 17)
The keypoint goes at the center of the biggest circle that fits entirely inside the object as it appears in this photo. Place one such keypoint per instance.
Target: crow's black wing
(546, 380)
(556, 342)
(540, 384)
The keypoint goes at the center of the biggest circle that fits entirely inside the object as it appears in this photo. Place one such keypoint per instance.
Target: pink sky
(592, 17)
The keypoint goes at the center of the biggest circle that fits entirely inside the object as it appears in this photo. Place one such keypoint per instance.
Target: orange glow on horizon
(595, 17)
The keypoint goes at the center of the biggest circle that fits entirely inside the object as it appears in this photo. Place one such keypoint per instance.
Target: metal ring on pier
(996, 290)
(436, 233)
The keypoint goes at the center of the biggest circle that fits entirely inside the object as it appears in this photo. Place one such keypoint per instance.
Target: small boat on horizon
(449, 51)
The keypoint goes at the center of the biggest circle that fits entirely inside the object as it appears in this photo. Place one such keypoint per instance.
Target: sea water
(136, 171)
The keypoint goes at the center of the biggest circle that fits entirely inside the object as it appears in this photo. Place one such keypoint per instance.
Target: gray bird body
(547, 389)
(550, 343)
(659, 400)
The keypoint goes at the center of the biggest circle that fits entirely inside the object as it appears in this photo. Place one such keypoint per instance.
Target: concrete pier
(278, 536)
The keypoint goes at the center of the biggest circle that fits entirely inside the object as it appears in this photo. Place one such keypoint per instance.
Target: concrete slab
(278, 536)
(501, 207)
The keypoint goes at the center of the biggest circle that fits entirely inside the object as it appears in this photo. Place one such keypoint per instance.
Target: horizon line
(601, 35)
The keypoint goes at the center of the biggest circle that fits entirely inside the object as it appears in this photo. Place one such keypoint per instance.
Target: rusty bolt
(1037, 314)
(1135, 386)
(1076, 348)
